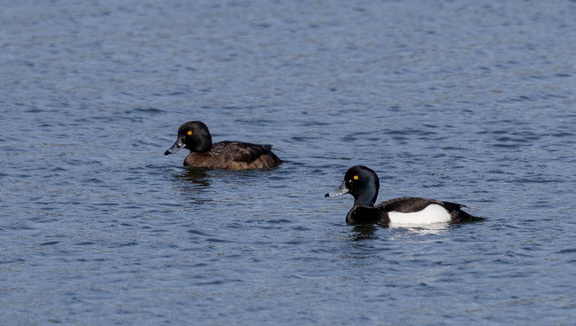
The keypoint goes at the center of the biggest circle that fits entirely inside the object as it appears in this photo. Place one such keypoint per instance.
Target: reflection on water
(411, 229)
(197, 176)
(399, 230)
(194, 186)
(369, 231)
(364, 232)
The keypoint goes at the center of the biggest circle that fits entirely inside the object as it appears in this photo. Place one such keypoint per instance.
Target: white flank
(431, 214)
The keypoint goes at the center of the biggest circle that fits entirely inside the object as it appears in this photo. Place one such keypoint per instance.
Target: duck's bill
(339, 191)
(178, 145)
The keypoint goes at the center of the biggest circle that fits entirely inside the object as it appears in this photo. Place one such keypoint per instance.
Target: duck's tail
(459, 216)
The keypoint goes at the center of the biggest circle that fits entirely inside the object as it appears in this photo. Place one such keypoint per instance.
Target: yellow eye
(355, 177)
(189, 133)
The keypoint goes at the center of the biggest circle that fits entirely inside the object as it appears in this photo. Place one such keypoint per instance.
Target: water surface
(466, 102)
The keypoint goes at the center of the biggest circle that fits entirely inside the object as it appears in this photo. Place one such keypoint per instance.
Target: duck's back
(430, 207)
(409, 210)
(414, 204)
(234, 155)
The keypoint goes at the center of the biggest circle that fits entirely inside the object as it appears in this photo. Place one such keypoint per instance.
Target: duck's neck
(201, 144)
(368, 195)
(203, 148)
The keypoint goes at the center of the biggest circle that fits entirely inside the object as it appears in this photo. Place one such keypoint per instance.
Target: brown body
(232, 155)
(228, 155)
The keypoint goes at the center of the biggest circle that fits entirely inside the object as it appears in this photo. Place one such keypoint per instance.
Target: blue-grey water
(471, 102)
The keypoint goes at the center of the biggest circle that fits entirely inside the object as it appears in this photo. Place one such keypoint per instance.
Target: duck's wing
(240, 155)
(241, 152)
(414, 204)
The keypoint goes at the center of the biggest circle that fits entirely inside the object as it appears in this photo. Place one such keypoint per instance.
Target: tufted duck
(362, 183)
(229, 155)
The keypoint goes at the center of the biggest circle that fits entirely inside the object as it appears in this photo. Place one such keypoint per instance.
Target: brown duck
(228, 155)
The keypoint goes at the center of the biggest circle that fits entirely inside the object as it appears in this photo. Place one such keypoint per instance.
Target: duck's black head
(193, 135)
(362, 183)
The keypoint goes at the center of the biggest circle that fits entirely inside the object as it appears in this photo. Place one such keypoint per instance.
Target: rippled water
(454, 100)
